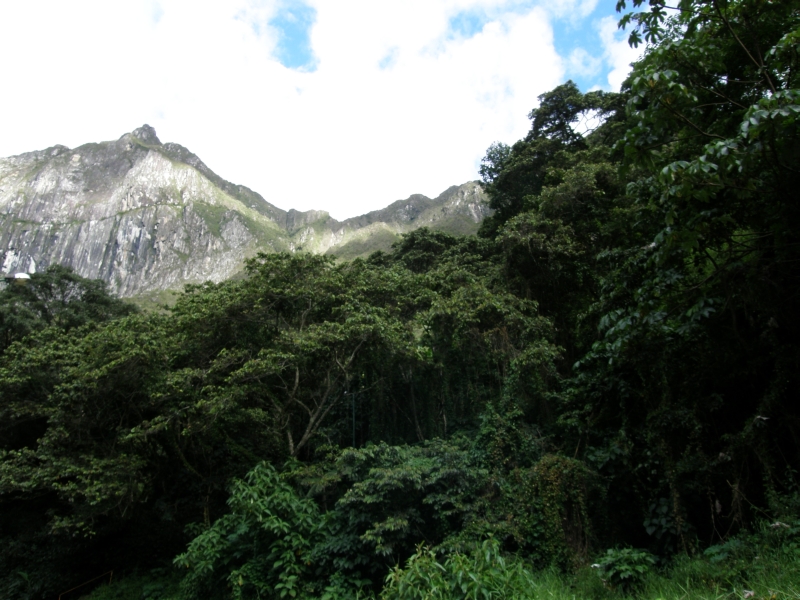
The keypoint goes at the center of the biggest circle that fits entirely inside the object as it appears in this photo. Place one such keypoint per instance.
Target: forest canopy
(613, 362)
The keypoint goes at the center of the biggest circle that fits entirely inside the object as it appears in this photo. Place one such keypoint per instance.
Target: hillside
(145, 216)
(595, 397)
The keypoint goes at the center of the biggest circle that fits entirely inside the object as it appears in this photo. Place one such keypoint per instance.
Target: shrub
(625, 568)
(484, 574)
(262, 544)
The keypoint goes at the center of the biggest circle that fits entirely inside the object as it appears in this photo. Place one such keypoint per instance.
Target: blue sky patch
(156, 12)
(577, 40)
(293, 23)
(467, 24)
(388, 61)
(581, 37)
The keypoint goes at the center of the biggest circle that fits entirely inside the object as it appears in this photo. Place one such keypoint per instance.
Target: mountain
(146, 216)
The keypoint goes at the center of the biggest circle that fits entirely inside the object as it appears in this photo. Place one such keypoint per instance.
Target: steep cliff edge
(146, 216)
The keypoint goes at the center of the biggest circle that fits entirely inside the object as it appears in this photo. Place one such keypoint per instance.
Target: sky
(336, 105)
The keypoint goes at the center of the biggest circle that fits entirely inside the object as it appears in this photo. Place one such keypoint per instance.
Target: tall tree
(56, 297)
(700, 346)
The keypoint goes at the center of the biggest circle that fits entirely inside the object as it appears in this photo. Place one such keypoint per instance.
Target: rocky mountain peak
(147, 135)
(145, 216)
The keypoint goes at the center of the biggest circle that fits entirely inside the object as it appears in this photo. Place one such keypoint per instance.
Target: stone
(146, 216)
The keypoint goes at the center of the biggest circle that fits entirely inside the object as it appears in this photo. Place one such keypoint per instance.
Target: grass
(686, 581)
(159, 584)
(762, 566)
(757, 566)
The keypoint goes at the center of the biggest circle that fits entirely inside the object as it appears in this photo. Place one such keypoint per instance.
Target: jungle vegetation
(608, 373)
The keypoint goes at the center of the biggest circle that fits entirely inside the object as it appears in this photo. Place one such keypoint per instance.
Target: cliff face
(458, 210)
(146, 216)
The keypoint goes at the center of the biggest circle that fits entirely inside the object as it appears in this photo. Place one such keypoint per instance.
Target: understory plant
(625, 568)
(483, 573)
(262, 544)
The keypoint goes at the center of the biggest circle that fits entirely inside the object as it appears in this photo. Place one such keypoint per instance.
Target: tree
(512, 174)
(688, 387)
(57, 297)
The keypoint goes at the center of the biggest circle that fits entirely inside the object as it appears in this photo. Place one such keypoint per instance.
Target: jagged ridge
(146, 216)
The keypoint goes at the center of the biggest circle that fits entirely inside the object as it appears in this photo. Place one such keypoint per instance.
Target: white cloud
(617, 53)
(584, 64)
(349, 137)
(574, 9)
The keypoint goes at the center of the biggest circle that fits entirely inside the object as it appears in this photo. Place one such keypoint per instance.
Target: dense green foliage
(764, 565)
(55, 298)
(482, 574)
(608, 373)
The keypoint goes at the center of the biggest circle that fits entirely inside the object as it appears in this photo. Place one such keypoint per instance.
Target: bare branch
(691, 124)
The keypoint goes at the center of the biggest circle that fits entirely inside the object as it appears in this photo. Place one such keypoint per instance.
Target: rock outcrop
(146, 216)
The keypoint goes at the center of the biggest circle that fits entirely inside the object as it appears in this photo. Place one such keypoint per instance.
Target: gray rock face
(146, 216)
